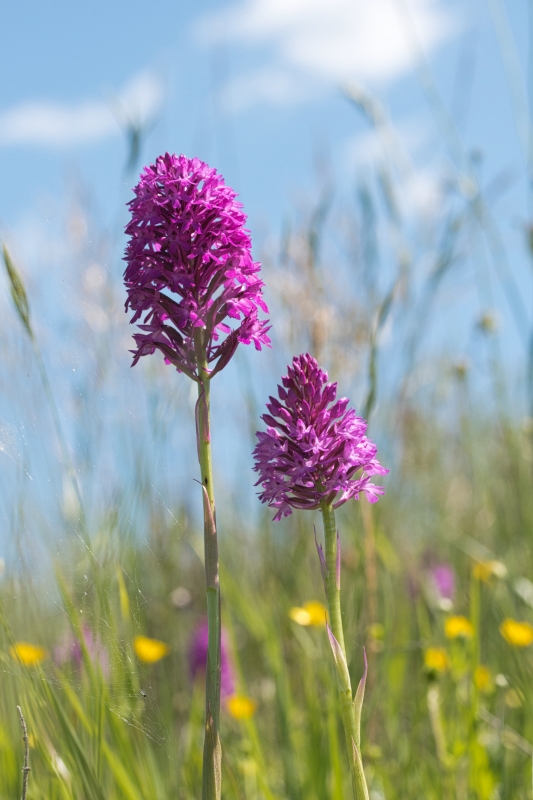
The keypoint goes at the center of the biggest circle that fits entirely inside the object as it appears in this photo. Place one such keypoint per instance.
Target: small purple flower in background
(198, 659)
(190, 267)
(70, 651)
(442, 579)
(315, 448)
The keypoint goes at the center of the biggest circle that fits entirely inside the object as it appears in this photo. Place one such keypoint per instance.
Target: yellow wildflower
(299, 615)
(27, 654)
(456, 627)
(482, 678)
(317, 612)
(241, 707)
(485, 570)
(436, 659)
(311, 613)
(519, 634)
(149, 650)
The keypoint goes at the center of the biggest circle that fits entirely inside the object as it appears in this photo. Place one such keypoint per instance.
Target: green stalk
(350, 707)
(212, 760)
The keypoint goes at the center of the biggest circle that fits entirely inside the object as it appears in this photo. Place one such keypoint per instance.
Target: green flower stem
(211, 774)
(350, 715)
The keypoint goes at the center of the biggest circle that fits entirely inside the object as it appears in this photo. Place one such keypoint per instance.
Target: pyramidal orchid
(315, 454)
(190, 277)
(195, 291)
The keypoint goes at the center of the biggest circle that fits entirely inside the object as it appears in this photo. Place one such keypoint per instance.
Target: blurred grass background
(131, 729)
(103, 537)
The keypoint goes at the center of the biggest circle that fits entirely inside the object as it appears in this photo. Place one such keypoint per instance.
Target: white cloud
(54, 124)
(364, 149)
(398, 144)
(265, 84)
(420, 188)
(140, 100)
(424, 192)
(332, 40)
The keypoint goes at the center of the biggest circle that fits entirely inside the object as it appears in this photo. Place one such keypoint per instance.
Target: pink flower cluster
(189, 267)
(314, 448)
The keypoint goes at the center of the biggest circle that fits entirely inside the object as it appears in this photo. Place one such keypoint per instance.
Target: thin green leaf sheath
(350, 709)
